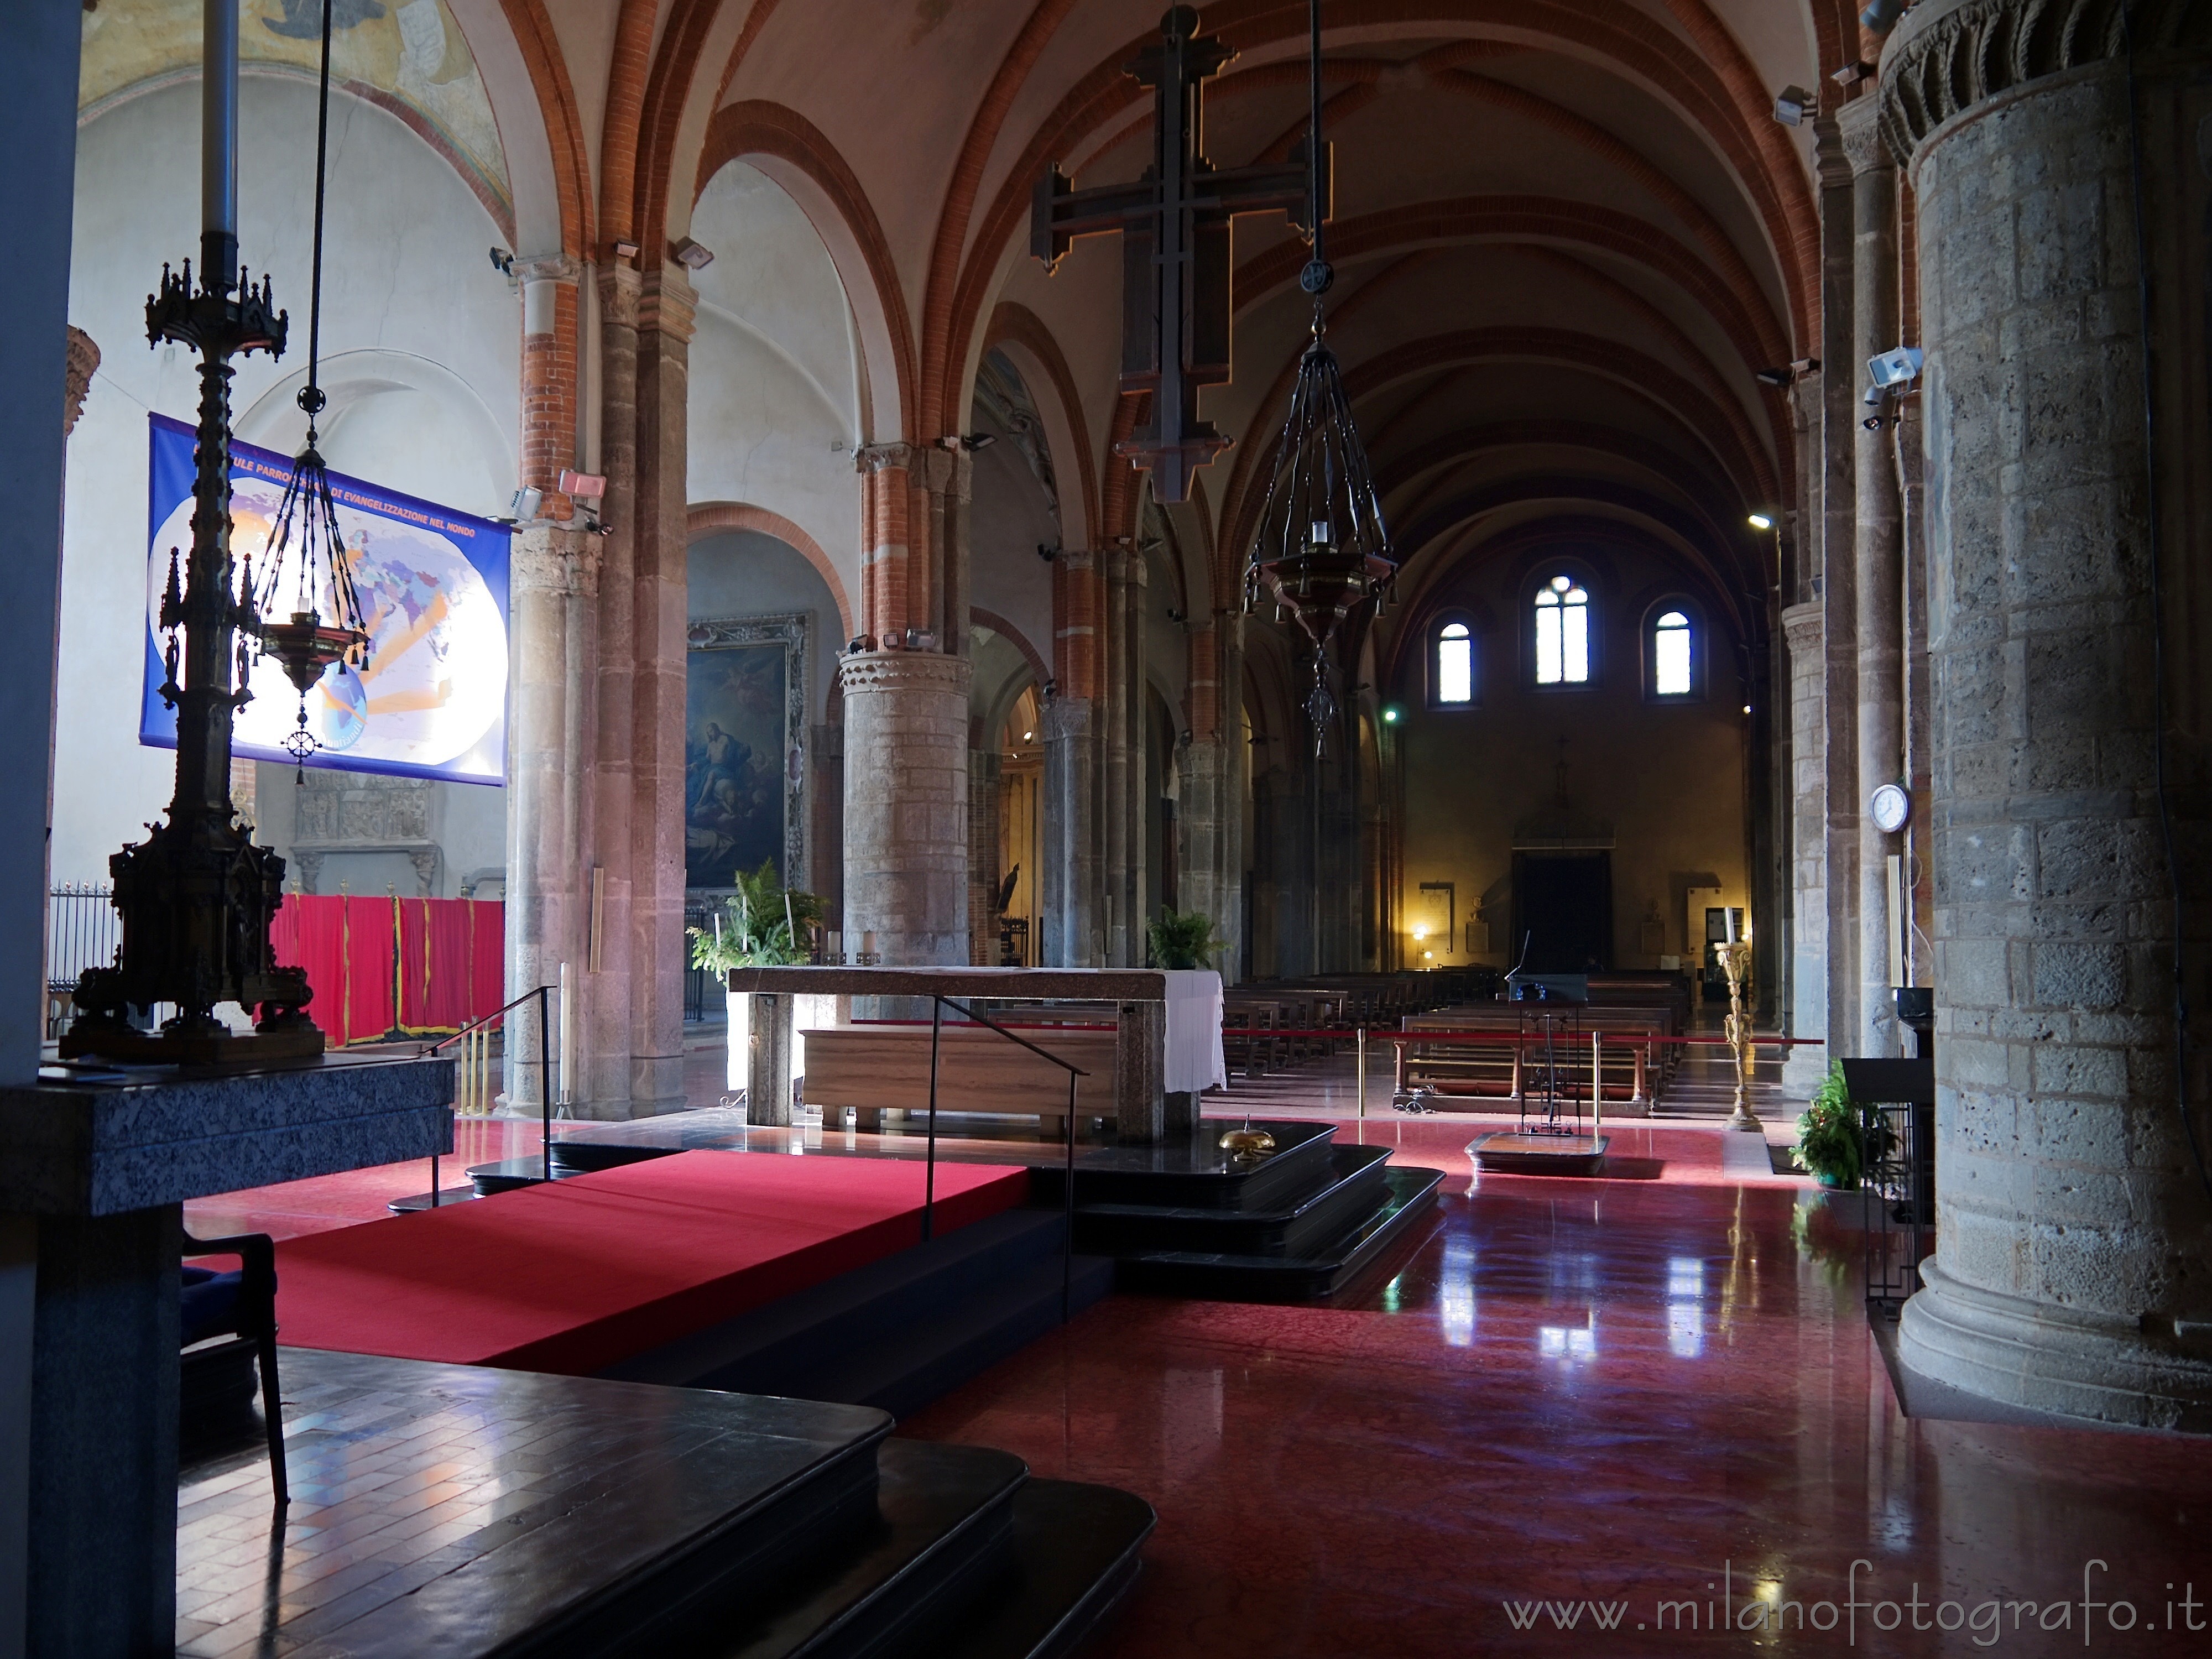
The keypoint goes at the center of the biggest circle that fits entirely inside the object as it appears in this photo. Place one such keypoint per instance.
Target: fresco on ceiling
(408, 52)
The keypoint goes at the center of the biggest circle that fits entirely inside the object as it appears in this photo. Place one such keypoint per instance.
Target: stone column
(1878, 594)
(604, 1025)
(984, 870)
(553, 583)
(1135, 903)
(1840, 413)
(660, 588)
(906, 805)
(1114, 807)
(1070, 872)
(2073, 1264)
(1807, 1012)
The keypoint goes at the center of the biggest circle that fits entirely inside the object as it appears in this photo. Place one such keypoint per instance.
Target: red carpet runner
(571, 1278)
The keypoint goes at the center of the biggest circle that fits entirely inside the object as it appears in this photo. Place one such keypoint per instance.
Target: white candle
(1730, 913)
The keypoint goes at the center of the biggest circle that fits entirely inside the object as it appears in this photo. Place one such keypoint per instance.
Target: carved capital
(876, 458)
(619, 288)
(1947, 56)
(1802, 626)
(546, 268)
(668, 304)
(1858, 125)
(83, 361)
(1076, 558)
(550, 559)
(867, 671)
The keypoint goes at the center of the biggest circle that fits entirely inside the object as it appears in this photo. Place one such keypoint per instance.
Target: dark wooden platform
(1508, 1153)
(462, 1511)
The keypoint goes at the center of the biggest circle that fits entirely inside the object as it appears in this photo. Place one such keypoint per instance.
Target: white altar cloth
(1195, 1057)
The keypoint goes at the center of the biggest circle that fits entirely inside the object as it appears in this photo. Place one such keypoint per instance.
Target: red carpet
(573, 1277)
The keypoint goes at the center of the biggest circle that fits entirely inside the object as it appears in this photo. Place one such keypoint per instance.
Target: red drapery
(381, 966)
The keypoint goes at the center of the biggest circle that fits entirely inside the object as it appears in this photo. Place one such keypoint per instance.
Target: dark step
(1409, 1191)
(897, 1333)
(1192, 1173)
(509, 1173)
(944, 1536)
(1075, 1551)
(415, 1201)
(1343, 1191)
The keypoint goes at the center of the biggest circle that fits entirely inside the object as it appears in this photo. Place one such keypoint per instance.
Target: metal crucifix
(1174, 223)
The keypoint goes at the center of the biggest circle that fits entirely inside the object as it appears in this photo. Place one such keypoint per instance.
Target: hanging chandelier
(1322, 550)
(304, 609)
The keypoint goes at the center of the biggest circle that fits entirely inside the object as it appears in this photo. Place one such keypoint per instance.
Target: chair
(242, 1305)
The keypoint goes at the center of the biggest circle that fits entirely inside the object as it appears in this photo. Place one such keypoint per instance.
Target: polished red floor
(1578, 1401)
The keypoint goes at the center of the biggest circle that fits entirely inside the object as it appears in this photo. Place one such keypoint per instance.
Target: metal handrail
(544, 994)
(939, 1004)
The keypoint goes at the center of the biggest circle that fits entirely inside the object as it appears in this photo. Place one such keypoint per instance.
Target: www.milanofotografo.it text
(1868, 1610)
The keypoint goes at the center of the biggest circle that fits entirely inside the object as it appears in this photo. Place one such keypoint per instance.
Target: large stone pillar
(1840, 413)
(906, 805)
(553, 582)
(603, 1013)
(1114, 747)
(2073, 1263)
(660, 621)
(1807, 1011)
(1879, 592)
(1070, 872)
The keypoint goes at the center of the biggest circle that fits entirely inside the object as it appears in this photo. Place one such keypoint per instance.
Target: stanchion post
(545, 1082)
(1067, 1213)
(1362, 1046)
(929, 1166)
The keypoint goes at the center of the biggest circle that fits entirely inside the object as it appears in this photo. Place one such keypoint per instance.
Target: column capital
(904, 671)
(879, 458)
(1945, 57)
(667, 303)
(1076, 558)
(83, 363)
(620, 286)
(1858, 126)
(1830, 164)
(546, 268)
(553, 559)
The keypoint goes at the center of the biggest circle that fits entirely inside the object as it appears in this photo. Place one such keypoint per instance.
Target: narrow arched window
(1562, 633)
(1671, 646)
(1455, 669)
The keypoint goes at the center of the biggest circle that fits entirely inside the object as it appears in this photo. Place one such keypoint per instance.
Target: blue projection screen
(432, 702)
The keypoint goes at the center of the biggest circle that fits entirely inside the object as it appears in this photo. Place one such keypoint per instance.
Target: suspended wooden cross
(1174, 222)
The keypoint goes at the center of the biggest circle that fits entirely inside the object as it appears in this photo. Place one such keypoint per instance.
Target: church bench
(879, 1068)
(1499, 1068)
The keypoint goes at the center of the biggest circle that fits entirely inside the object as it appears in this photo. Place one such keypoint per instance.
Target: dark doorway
(1563, 907)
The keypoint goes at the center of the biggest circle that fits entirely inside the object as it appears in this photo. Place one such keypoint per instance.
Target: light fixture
(1851, 74)
(1882, 15)
(1390, 712)
(1898, 366)
(1322, 550)
(1792, 104)
(688, 254)
(1759, 521)
(1747, 709)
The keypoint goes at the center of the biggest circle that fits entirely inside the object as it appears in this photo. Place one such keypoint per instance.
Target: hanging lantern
(1322, 550)
(306, 577)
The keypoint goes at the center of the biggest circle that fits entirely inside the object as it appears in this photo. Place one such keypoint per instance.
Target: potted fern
(761, 923)
(1183, 939)
(1832, 1134)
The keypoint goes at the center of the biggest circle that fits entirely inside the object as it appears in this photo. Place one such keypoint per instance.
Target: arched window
(1454, 675)
(1562, 633)
(1673, 649)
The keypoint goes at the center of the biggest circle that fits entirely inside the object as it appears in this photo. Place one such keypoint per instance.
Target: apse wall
(421, 339)
(1664, 778)
(774, 405)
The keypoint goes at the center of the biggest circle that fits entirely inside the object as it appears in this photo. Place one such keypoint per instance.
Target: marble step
(1368, 1246)
(1075, 1550)
(1346, 1190)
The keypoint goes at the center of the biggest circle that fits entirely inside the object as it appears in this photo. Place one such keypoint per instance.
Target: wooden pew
(879, 1068)
(1499, 1069)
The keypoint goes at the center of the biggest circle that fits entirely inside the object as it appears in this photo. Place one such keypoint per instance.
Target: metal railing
(544, 994)
(82, 930)
(939, 1004)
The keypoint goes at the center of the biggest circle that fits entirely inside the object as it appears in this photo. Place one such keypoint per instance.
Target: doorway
(1562, 908)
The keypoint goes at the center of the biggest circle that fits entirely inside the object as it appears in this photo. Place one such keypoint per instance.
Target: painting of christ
(734, 736)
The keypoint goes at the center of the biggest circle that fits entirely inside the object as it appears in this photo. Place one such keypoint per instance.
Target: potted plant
(760, 924)
(1833, 1132)
(1183, 939)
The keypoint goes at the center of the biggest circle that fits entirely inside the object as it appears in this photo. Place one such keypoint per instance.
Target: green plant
(1833, 1134)
(759, 926)
(1183, 939)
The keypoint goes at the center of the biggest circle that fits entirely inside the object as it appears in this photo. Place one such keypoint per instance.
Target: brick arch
(810, 169)
(539, 47)
(1017, 325)
(1014, 636)
(704, 517)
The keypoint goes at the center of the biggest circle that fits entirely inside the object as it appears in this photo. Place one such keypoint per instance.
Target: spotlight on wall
(584, 486)
(1881, 15)
(502, 262)
(1788, 374)
(622, 249)
(688, 254)
(1793, 103)
(1390, 714)
(1759, 521)
(1851, 74)
(1047, 553)
(1898, 367)
(971, 441)
(525, 505)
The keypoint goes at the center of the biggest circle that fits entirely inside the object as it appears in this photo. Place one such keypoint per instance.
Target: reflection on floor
(1580, 1401)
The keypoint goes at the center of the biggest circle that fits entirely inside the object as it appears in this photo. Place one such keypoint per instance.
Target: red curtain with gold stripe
(385, 967)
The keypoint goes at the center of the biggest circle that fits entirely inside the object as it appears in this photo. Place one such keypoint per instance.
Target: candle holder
(1735, 963)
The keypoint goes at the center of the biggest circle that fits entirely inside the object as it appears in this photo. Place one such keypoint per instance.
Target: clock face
(1890, 808)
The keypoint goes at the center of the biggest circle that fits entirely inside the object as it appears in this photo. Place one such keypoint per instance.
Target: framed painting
(745, 732)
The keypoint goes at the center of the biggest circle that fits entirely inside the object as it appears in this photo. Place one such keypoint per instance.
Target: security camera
(1792, 104)
(1899, 367)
